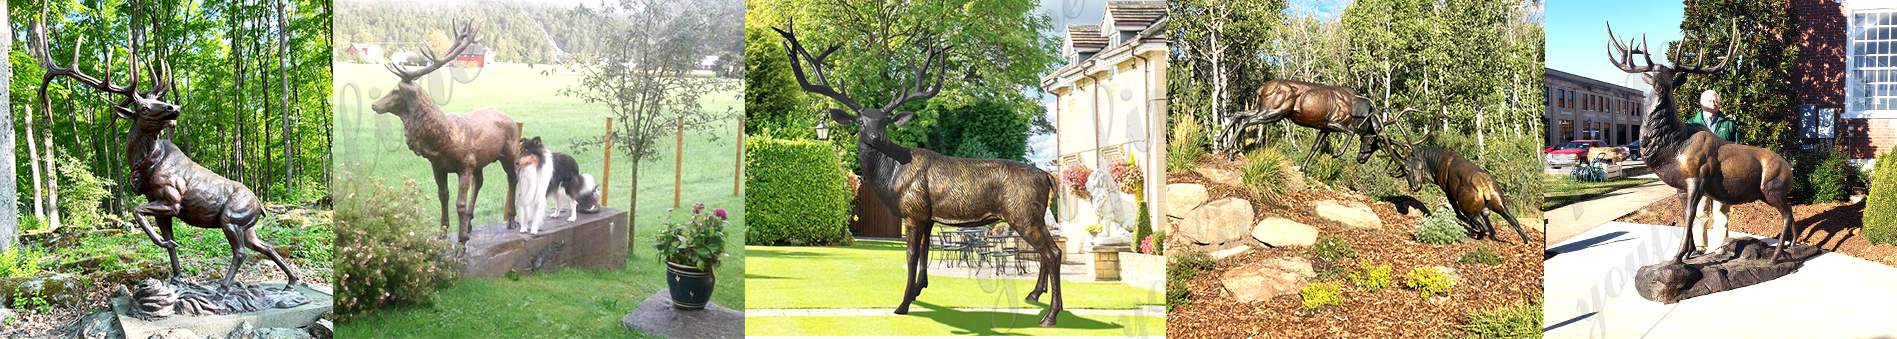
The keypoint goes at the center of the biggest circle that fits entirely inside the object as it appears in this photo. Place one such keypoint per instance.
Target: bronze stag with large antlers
(924, 188)
(1690, 158)
(175, 187)
(459, 144)
(1328, 109)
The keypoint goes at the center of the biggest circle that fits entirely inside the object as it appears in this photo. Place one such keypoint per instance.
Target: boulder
(1217, 222)
(1221, 176)
(1229, 252)
(1353, 214)
(102, 324)
(322, 329)
(1278, 232)
(1267, 279)
(56, 289)
(1182, 198)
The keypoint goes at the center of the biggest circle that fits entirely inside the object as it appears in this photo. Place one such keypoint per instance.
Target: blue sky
(1577, 34)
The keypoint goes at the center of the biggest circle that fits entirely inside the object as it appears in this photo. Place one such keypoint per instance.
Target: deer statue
(459, 144)
(923, 188)
(1329, 109)
(1472, 192)
(1690, 158)
(175, 187)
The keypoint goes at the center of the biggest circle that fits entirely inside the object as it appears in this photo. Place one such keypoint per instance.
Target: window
(1871, 76)
(1567, 130)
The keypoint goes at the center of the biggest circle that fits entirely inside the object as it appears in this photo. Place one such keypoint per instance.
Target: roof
(1134, 14)
(1085, 38)
(476, 49)
(1570, 77)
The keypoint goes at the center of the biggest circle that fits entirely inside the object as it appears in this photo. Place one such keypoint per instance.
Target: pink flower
(720, 212)
(698, 208)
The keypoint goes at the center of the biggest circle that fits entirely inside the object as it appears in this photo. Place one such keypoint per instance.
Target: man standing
(1715, 120)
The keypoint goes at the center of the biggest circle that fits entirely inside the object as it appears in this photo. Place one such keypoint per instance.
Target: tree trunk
(283, 63)
(33, 155)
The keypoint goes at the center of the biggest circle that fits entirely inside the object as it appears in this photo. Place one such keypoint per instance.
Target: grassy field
(868, 274)
(577, 303)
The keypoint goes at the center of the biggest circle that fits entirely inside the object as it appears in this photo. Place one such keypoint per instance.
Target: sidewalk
(1567, 221)
(1590, 293)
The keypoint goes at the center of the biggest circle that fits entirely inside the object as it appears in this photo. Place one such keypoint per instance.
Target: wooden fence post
(678, 163)
(606, 173)
(737, 172)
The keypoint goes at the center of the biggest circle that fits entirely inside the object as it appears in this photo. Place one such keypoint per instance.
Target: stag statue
(175, 187)
(459, 144)
(1690, 158)
(1328, 109)
(1472, 192)
(924, 188)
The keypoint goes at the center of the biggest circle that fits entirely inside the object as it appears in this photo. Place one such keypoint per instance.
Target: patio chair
(1001, 250)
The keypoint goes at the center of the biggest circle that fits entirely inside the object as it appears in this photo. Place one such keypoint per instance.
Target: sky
(1577, 34)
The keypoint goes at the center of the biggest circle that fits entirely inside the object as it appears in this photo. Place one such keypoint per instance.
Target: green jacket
(1721, 126)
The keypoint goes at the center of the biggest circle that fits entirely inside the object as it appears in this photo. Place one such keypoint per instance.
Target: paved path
(1149, 310)
(1567, 221)
(1590, 293)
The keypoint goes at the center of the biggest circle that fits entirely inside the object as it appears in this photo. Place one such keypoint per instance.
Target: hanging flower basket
(1076, 179)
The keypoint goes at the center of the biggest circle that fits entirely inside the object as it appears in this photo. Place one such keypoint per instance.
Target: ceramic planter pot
(691, 288)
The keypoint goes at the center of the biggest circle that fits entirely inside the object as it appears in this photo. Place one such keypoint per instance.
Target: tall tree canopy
(1755, 90)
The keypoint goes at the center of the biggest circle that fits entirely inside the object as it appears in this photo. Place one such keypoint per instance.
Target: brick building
(1848, 65)
(1583, 108)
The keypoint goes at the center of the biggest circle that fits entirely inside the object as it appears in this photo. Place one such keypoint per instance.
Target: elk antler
(920, 88)
(822, 85)
(1700, 55)
(1625, 58)
(468, 36)
(54, 71)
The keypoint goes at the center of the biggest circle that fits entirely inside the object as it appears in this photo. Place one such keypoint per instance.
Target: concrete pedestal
(592, 241)
(1106, 262)
(1741, 263)
(655, 316)
(321, 300)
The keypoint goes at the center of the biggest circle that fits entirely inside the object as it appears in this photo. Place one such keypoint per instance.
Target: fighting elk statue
(461, 144)
(924, 188)
(1690, 158)
(1329, 109)
(1472, 192)
(175, 187)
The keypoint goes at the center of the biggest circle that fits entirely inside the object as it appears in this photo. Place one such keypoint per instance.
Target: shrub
(387, 253)
(1440, 228)
(1181, 269)
(794, 193)
(1332, 249)
(1880, 208)
(1269, 173)
(1143, 231)
(1428, 282)
(1371, 277)
(79, 193)
(1481, 255)
(1159, 243)
(19, 262)
(1185, 144)
(1516, 321)
(1321, 294)
(1824, 175)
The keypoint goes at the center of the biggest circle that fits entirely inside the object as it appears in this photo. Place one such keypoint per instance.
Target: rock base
(656, 317)
(1741, 263)
(592, 241)
(321, 300)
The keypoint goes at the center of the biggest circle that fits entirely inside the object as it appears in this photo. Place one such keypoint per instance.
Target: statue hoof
(902, 310)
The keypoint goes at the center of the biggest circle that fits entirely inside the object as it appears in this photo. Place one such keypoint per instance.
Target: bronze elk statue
(176, 188)
(1472, 191)
(1693, 160)
(1328, 109)
(924, 188)
(459, 144)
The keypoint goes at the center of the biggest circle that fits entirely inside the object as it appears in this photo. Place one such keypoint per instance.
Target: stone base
(655, 316)
(321, 300)
(1741, 263)
(593, 241)
(1106, 262)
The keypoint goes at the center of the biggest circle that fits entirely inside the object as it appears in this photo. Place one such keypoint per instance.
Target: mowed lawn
(583, 303)
(868, 274)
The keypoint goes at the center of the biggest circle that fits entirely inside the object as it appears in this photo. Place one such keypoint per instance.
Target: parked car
(1572, 153)
(1633, 150)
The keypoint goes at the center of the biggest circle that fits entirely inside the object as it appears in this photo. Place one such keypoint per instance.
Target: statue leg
(237, 253)
(1787, 236)
(1322, 138)
(909, 289)
(509, 213)
(464, 207)
(170, 245)
(441, 194)
(1693, 195)
(1500, 209)
(251, 240)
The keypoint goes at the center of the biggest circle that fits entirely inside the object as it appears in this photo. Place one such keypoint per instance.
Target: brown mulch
(1394, 312)
(1832, 226)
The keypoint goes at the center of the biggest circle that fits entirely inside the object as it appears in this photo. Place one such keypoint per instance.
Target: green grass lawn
(1567, 191)
(868, 274)
(572, 303)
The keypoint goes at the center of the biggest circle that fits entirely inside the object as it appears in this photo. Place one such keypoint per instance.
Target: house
(1580, 108)
(1110, 104)
(475, 56)
(368, 53)
(1845, 77)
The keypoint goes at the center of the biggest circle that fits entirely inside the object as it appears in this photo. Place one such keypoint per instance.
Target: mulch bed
(1832, 226)
(1394, 312)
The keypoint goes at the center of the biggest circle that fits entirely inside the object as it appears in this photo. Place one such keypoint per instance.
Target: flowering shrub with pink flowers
(1076, 177)
(388, 253)
(698, 241)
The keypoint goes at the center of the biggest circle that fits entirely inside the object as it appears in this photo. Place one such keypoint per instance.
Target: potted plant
(1076, 179)
(691, 250)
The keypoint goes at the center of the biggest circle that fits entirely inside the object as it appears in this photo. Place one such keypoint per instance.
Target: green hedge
(795, 193)
(1880, 211)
